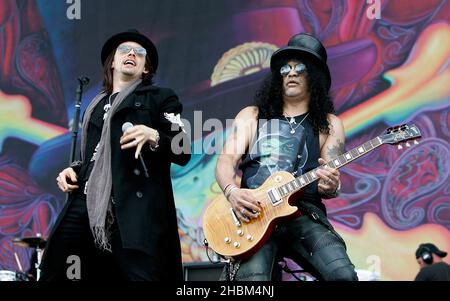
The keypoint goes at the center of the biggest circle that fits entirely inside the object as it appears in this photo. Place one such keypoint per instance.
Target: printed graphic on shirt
(277, 149)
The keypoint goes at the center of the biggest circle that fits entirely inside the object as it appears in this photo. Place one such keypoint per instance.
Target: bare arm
(237, 143)
(332, 147)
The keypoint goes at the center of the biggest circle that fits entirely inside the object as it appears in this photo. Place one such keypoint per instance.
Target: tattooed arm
(332, 147)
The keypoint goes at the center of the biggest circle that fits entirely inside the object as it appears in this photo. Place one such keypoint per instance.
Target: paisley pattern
(413, 184)
(219, 60)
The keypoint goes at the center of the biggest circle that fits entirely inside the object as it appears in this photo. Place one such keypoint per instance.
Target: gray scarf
(99, 186)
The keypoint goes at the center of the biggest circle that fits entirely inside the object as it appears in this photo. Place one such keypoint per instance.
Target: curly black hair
(269, 97)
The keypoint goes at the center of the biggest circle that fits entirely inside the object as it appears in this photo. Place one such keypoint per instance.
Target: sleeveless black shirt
(282, 145)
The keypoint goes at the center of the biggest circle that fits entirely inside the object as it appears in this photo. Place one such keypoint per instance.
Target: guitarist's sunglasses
(299, 68)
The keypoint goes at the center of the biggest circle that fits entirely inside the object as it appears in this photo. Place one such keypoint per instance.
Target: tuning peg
(407, 144)
(399, 146)
(416, 142)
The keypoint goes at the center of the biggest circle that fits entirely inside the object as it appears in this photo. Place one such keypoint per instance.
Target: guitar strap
(308, 208)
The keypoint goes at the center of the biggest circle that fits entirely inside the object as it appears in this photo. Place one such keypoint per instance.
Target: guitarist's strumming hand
(244, 204)
(329, 180)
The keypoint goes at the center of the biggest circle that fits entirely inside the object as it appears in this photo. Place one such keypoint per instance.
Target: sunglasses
(124, 49)
(299, 68)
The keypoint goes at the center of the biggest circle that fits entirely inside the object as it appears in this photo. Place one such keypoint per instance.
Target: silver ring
(243, 211)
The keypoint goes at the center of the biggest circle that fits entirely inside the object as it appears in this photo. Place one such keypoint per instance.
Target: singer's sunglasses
(124, 49)
(299, 68)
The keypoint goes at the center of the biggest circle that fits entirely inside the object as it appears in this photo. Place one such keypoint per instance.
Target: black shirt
(436, 272)
(283, 146)
(94, 129)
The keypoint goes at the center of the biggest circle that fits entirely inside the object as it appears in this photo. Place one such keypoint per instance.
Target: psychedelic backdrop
(385, 72)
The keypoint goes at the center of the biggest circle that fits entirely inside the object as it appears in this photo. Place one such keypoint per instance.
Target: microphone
(127, 125)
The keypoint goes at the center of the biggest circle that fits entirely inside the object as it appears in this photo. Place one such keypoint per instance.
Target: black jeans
(74, 237)
(309, 240)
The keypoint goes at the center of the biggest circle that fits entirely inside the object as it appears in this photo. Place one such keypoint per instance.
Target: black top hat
(131, 35)
(301, 45)
(431, 248)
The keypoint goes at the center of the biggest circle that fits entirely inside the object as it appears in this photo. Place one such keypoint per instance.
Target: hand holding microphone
(136, 136)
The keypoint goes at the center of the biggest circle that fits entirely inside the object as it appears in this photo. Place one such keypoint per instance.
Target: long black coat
(145, 208)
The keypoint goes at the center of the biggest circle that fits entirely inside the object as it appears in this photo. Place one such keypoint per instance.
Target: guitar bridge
(274, 196)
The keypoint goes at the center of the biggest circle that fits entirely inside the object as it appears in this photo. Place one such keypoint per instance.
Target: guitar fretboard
(311, 176)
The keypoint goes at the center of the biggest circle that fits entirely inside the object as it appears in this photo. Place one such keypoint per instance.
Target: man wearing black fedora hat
(291, 127)
(432, 266)
(120, 220)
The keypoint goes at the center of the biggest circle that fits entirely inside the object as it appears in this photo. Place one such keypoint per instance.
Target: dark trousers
(310, 242)
(74, 237)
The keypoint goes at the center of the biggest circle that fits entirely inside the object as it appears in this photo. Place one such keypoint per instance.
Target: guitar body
(229, 237)
(240, 242)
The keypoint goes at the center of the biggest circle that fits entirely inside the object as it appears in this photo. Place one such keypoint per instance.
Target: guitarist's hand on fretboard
(329, 180)
(244, 204)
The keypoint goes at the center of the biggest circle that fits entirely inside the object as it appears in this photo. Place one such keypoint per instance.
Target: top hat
(299, 46)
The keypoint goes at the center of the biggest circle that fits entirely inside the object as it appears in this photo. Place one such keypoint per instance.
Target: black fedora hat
(302, 45)
(131, 35)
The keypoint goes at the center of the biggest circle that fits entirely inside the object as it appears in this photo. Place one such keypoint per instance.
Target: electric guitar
(228, 236)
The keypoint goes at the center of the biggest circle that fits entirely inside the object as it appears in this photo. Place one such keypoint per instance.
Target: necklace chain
(107, 107)
(293, 121)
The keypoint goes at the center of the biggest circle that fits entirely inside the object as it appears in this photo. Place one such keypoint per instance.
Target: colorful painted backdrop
(389, 65)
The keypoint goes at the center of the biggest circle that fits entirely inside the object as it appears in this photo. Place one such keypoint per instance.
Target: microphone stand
(82, 81)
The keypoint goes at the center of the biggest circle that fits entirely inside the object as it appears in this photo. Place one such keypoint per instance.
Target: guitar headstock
(401, 133)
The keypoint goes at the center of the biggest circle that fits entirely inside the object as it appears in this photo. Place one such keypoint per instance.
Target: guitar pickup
(274, 196)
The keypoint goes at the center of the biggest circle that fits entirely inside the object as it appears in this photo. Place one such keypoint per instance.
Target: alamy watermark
(73, 11)
(209, 136)
(374, 9)
(73, 272)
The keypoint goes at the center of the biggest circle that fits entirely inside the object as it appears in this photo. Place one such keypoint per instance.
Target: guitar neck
(338, 162)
